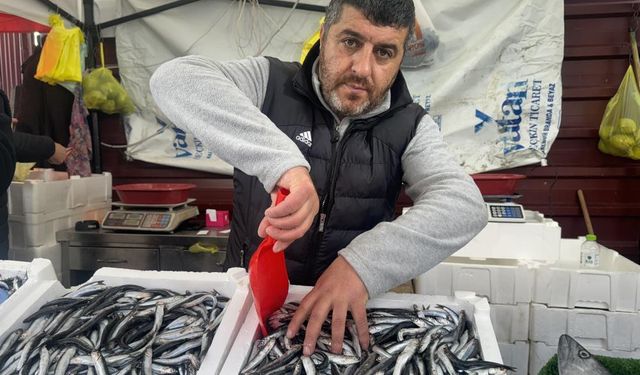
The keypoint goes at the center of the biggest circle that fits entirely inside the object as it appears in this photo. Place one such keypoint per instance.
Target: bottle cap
(591, 237)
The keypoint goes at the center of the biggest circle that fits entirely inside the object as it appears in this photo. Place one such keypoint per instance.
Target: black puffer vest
(358, 179)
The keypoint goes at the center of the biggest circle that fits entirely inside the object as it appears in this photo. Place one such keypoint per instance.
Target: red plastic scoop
(268, 277)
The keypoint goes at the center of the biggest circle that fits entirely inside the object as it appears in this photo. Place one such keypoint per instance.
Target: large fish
(574, 359)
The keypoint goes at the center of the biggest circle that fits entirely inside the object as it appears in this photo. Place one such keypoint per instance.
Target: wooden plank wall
(596, 58)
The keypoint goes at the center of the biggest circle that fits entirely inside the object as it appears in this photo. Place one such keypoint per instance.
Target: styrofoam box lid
(13, 312)
(610, 261)
(530, 240)
(37, 269)
(35, 219)
(475, 307)
(232, 284)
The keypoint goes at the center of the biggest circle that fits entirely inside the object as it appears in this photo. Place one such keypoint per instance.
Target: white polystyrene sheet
(223, 30)
(495, 86)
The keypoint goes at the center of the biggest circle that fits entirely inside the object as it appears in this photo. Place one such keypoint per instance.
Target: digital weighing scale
(501, 209)
(149, 217)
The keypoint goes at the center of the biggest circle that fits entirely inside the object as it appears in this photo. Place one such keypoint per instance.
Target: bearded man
(342, 134)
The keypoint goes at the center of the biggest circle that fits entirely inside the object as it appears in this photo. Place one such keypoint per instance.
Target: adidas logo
(305, 137)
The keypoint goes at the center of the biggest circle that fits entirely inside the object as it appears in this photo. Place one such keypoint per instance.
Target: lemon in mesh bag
(103, 92)
(619, 131)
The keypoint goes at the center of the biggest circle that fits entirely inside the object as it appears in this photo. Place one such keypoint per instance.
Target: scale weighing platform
(149, 217)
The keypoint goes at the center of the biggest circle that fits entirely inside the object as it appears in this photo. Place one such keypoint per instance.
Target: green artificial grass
(616, 366)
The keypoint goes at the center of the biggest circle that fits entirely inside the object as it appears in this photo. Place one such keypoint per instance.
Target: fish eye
(583, 354)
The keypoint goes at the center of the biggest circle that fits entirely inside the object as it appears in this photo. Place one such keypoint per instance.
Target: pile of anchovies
(9, 286)
(402, 341)
(125, 329)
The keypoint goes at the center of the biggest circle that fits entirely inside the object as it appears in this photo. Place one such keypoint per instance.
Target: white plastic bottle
(590, 252)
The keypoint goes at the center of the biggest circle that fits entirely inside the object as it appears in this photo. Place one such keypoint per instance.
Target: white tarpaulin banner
(494, 86)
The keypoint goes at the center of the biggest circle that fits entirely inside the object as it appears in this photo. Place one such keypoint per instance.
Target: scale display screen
(151, 220)
(505, 212)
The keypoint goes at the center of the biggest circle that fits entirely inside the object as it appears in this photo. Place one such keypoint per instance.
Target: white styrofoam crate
(540, 353)
(615, 285)
(476, 308)
(37, 271)
(52, 252)
(502, 281)
(597, 329)
(39, 196)
(233, 284)
(515, 355)
(510, 322)
(537, 239)
(31, 230)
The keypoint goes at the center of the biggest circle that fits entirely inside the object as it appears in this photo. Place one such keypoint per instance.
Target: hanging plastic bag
(423, 40)
(60, 57)
(102, 91)
(619, 130)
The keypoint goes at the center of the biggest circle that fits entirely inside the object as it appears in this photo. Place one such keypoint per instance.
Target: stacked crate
(600, 308)
(500, 264)
(506, 283)
(39, 208)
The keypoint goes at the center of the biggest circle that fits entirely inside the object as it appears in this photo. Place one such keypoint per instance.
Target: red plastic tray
(497, 183)
(153, 193)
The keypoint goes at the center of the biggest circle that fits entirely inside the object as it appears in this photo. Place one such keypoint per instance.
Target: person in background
(19, 147)
(342, 134)
(7, 168)
(31, 147)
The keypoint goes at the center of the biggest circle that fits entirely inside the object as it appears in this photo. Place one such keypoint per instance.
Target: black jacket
(358, 179)
(7, 168)
(28, 147)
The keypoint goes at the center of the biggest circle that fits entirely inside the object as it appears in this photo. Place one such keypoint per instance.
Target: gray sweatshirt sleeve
(448, 212)
(220, 104)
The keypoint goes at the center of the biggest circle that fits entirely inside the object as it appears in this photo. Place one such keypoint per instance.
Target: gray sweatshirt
(220, 104)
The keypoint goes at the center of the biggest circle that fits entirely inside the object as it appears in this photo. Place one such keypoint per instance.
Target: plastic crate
(40, 197)
(502, 281)
(52, 252)
(537, 239)
(594, 329)
(614, 286)
(516, 355)
(540, 353)
(233, 284)
(33, 230)
(510, 322)
(477, 309)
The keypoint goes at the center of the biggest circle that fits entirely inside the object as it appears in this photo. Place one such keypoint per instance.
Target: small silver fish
(574, 359)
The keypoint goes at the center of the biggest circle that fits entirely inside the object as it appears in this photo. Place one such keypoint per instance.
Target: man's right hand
(291, 219)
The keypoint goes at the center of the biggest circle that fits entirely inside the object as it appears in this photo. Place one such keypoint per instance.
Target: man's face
(358, 62)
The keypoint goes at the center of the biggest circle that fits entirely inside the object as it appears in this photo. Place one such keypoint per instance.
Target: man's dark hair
(395, 13)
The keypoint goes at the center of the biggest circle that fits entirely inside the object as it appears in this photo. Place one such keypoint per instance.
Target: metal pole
(91, 32)
(144, 13)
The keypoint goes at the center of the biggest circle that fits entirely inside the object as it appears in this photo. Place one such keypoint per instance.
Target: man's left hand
(339, 290)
